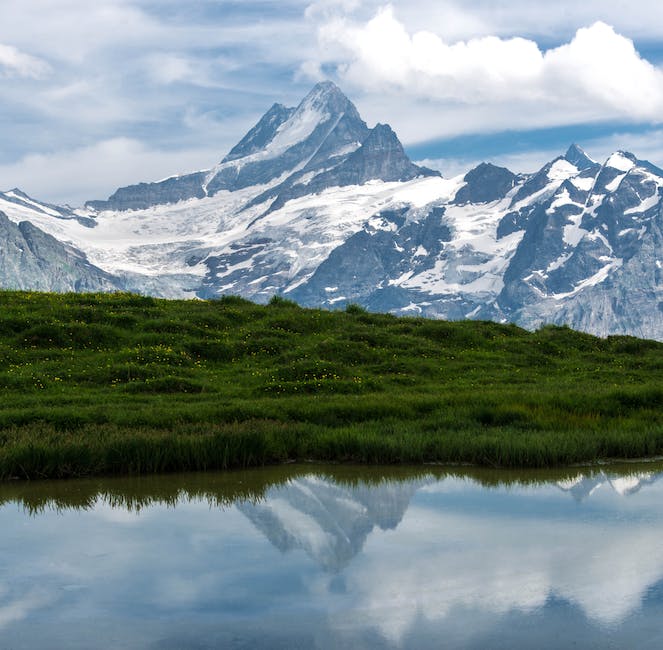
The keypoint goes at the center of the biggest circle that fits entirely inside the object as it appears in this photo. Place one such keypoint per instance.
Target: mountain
(329, 521)
(288, 144)
(32, 259)
(314, 205)
(582, 487)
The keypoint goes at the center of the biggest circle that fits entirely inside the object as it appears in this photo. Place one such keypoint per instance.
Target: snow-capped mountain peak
(577, 156)
(313, 204)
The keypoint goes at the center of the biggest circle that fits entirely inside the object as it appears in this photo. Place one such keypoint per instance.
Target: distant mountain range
(315, 206)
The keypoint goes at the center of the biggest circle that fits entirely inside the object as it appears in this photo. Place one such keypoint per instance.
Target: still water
(317, 557)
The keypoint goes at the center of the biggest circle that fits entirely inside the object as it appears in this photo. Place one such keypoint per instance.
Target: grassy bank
(123, 384)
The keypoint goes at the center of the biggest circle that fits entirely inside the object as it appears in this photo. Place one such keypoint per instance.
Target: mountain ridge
(314, 205)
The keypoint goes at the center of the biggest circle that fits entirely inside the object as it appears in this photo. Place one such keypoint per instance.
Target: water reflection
(582, 486)
(345, 557)
(329, 521)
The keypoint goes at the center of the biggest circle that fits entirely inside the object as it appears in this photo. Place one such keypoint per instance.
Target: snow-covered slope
(314, 205)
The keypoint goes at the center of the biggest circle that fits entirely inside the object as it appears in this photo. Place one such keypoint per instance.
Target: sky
(96, 95)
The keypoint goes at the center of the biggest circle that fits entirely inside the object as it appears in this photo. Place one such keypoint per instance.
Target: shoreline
(122, 384)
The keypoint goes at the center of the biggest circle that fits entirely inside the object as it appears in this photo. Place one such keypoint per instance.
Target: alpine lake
(314, 556)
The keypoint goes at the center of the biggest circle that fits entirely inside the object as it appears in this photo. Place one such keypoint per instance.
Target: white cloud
(170, 68)
(605, 568)
(490, 82)
(13, 62)
(73, 30)
(94, 172)
(466, 19)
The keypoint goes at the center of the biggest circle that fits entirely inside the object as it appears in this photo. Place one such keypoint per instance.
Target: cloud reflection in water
(396, 563)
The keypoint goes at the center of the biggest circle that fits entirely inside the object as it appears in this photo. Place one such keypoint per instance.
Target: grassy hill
(119, 384)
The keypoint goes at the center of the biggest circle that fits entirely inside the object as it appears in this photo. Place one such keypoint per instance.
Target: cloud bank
(172, 78)
(504, 82)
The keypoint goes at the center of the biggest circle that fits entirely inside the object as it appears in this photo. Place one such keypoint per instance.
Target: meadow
(106, 384)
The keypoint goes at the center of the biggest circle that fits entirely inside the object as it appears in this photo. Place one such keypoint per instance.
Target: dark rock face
(576, 156)
(514, 222)
(261, 134)
(486, 183)
(380, 157)
(363, 268)
(146, 195)
(591, 258)
(31, 259)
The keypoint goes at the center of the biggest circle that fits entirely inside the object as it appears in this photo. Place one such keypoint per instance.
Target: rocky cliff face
(313, 205)
(590, 255)
(32, 259)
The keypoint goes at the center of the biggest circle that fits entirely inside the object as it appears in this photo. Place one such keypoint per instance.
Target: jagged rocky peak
(381, 156)
(326, 95)
(624, 162)
(554, 173)
(327, 100)
(486, 183)
(262, 133)
(577, 157)
(314, 121)
(324, 126)
(320, 131)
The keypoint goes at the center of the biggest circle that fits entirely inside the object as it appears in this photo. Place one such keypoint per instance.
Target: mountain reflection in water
(336, 557)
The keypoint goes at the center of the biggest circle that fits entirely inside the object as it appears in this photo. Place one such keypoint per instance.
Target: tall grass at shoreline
(124, 384)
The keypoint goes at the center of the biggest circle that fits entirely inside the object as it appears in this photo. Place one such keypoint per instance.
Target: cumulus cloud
(599, 565)
(598, 75)
(13, 62)
(466, 19)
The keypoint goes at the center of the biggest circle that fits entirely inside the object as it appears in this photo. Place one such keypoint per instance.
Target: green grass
(126, 384)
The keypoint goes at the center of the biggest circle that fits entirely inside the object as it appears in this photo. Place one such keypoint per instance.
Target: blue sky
(97, 95)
